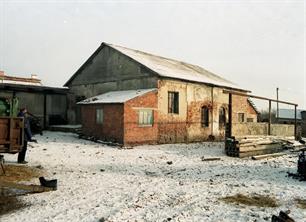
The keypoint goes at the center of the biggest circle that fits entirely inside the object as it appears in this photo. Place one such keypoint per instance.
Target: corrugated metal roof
(289, 114)
(171, 68)
(115, 96)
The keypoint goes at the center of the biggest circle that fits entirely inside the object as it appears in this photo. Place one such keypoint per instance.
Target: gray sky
(257, 44)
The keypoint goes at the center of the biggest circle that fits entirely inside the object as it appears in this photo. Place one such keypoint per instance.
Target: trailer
(11, 134)
(11, 126)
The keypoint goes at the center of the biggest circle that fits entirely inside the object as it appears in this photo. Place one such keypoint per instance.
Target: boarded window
(205, 116)
(145, 117)
(173, 102)
(241, 117)
(222, 117)
(250, 120)
(99, 116)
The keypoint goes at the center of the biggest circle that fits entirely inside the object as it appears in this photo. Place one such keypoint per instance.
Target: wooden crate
(11, 134)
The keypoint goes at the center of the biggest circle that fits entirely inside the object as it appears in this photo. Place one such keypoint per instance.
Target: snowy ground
(97, 181)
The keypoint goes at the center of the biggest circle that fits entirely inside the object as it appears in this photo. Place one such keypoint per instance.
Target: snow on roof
(171, 68)
(19, 80)
(16, 82)
(116, 96)
(289, 114)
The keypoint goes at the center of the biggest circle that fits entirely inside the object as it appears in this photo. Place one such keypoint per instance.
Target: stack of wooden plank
(255, 145)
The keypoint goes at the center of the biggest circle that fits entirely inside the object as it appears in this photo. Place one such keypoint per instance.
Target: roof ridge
(187, 65)
(165, 68)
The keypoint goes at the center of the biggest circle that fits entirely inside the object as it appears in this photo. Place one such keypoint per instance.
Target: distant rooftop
(289, 114)
(33, 80)
(116, 96)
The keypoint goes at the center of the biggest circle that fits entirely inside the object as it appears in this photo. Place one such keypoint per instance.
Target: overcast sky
(259, 45)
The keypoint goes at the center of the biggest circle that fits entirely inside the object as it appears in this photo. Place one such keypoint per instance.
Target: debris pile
(257, 145)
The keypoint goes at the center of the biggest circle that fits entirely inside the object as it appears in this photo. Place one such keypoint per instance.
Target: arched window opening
(222, 117)
(205, 116)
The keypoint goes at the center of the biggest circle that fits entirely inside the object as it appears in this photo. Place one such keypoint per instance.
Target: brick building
(176, 101)
(49, 104)
(122, 116)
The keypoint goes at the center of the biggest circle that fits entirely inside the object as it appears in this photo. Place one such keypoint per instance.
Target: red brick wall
(120, 122)
(241, 105)
(195, 129)
(112, 127)
(172, 131)
(133, 133)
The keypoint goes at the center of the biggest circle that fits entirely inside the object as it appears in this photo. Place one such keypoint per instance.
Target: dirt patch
(301, 203)
(17, 173)
(10, 199)
(11, 203)
(254, 200)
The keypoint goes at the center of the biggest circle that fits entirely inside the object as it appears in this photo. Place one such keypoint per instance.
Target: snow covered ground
(97, 181)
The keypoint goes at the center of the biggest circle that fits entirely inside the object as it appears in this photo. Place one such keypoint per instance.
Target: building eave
(33, 88)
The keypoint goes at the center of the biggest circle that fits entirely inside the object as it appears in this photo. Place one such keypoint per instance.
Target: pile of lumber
(256, 145)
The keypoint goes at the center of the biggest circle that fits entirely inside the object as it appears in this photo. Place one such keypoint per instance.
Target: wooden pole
(269, 125)
(45, 110)
(277, 109)
(257, 97)
(295, 124)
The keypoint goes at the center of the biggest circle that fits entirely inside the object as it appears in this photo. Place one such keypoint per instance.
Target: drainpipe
(269, 125)
(212, 110)
(230, 118)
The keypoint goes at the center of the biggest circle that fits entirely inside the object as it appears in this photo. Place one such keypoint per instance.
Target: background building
(49, 104)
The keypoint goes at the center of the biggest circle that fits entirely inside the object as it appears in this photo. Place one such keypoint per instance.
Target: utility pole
(277, 109)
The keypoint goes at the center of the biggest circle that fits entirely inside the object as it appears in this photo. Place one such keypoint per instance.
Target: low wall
(241, 129)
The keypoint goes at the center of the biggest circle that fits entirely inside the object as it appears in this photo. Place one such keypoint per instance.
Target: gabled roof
(115, 96)
(253, 105)
(165, 67)
(289, 114)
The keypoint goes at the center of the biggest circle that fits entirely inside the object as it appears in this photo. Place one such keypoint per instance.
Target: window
(222, 117)
(240, 117)
(145, 117)
(173, 102)
(205, 116)
(250, 120)
(99, 116)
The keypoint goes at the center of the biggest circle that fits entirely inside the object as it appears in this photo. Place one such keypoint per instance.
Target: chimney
(1, 73)
(34, 76)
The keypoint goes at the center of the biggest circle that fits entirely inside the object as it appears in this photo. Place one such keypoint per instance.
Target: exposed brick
(112, 127)
(121, 121)
(133, 133)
